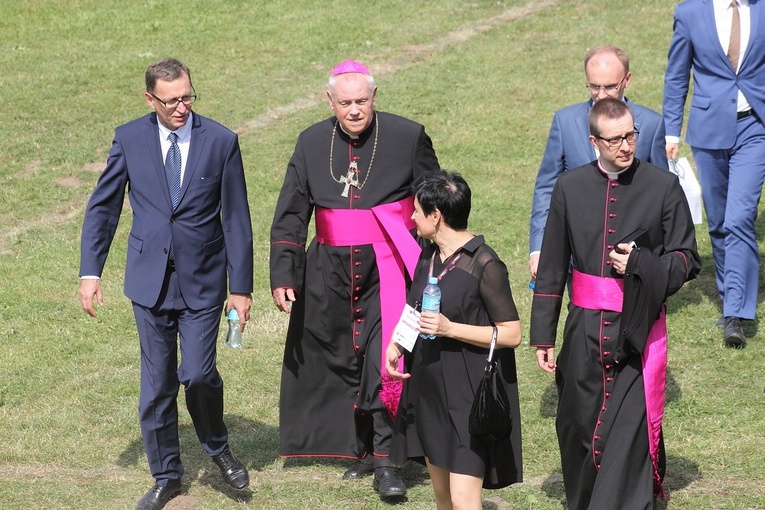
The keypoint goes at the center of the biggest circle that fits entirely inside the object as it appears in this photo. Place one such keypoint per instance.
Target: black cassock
(331, 369)
(601, 419)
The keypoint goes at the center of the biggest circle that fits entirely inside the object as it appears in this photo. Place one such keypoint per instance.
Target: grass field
(484, 77)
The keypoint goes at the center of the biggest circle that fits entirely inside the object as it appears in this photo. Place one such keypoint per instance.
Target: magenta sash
(387, 228)
(595, 293)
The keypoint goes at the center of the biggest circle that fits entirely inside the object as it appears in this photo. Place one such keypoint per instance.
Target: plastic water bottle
(234, 336)
(431, 300)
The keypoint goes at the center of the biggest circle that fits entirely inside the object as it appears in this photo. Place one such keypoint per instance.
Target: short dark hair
(167, 69)
(446, 191)
(606, 108)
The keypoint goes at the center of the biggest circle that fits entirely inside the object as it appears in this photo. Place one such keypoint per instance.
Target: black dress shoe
(359, 469)
(388, 484)
(159, 495)
(233, 471)
(734, 335)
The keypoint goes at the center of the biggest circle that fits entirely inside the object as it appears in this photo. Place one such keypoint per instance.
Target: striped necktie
(173, 175)
(173, 169)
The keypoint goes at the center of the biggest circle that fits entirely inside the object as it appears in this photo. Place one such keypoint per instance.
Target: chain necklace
(351, 178)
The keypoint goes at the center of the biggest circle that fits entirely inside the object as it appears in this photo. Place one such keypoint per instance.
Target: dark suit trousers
(159, 329)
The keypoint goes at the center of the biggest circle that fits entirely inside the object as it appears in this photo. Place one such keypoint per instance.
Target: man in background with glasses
(191, 236)
(626, 226)
(607, 71)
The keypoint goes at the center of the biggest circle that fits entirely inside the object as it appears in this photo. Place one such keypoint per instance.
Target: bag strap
(493, 344)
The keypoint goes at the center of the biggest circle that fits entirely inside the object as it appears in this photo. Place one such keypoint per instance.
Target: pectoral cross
(350, 179)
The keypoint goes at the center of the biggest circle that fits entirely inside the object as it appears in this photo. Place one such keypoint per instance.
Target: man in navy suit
(723, 42)
(607, 70)
(191, 228)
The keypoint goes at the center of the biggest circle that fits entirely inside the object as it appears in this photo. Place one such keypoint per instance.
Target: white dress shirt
(723, 11)
(184, 140)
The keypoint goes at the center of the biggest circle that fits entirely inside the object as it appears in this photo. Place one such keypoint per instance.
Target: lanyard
(447, 269)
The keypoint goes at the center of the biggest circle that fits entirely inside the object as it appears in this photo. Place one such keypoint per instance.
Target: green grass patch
(483, 77)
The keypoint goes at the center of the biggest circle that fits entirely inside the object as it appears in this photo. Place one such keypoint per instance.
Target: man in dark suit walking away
(191, 230)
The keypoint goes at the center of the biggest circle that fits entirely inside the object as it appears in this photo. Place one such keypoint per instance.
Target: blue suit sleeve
(552, 166)
(677, 77)
(237, 226)
(658, 147)
(103, 211)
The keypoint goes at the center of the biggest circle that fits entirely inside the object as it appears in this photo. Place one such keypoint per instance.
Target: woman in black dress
(443, 374)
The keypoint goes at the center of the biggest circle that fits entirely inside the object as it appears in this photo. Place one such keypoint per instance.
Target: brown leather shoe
(159, 495)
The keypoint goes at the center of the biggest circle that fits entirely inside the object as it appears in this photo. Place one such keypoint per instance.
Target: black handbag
(490, 418)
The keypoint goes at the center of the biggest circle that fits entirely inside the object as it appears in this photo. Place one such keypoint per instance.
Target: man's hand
(546, 359)
(242, 304)
(672, 150)
(534, 263)
(281, 296)
(89, 288)
(620, 256)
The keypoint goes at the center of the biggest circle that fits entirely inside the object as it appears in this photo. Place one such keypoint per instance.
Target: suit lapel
(196, 146)
(155, 152)
(583, 122)
(754, 31)
(708, 16)
(642, 140)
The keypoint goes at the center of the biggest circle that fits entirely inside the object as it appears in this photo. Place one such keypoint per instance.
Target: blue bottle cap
(232, 315)
(433, 280)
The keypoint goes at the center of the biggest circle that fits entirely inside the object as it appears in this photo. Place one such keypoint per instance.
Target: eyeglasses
(608, 89)
(616, 142)
(172, 104)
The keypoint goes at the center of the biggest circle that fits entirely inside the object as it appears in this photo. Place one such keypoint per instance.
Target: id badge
(408, 328)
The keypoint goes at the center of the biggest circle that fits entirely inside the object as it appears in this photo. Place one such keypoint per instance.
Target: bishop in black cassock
(331, 375)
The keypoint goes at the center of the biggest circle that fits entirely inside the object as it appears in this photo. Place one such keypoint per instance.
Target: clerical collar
(366, 130)
(612, 175)
(352, 137)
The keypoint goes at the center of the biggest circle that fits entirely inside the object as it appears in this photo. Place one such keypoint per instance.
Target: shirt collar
(721, 5)
(183, 132)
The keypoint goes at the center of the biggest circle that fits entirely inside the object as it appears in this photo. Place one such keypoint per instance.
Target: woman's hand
(392, 354)
(434, 323)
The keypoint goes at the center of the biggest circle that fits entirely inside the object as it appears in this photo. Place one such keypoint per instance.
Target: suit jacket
(695, 45)
(210, 228)
(568, 147)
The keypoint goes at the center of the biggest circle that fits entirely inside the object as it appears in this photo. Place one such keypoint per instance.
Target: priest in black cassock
(351, 173)
(625, 227)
